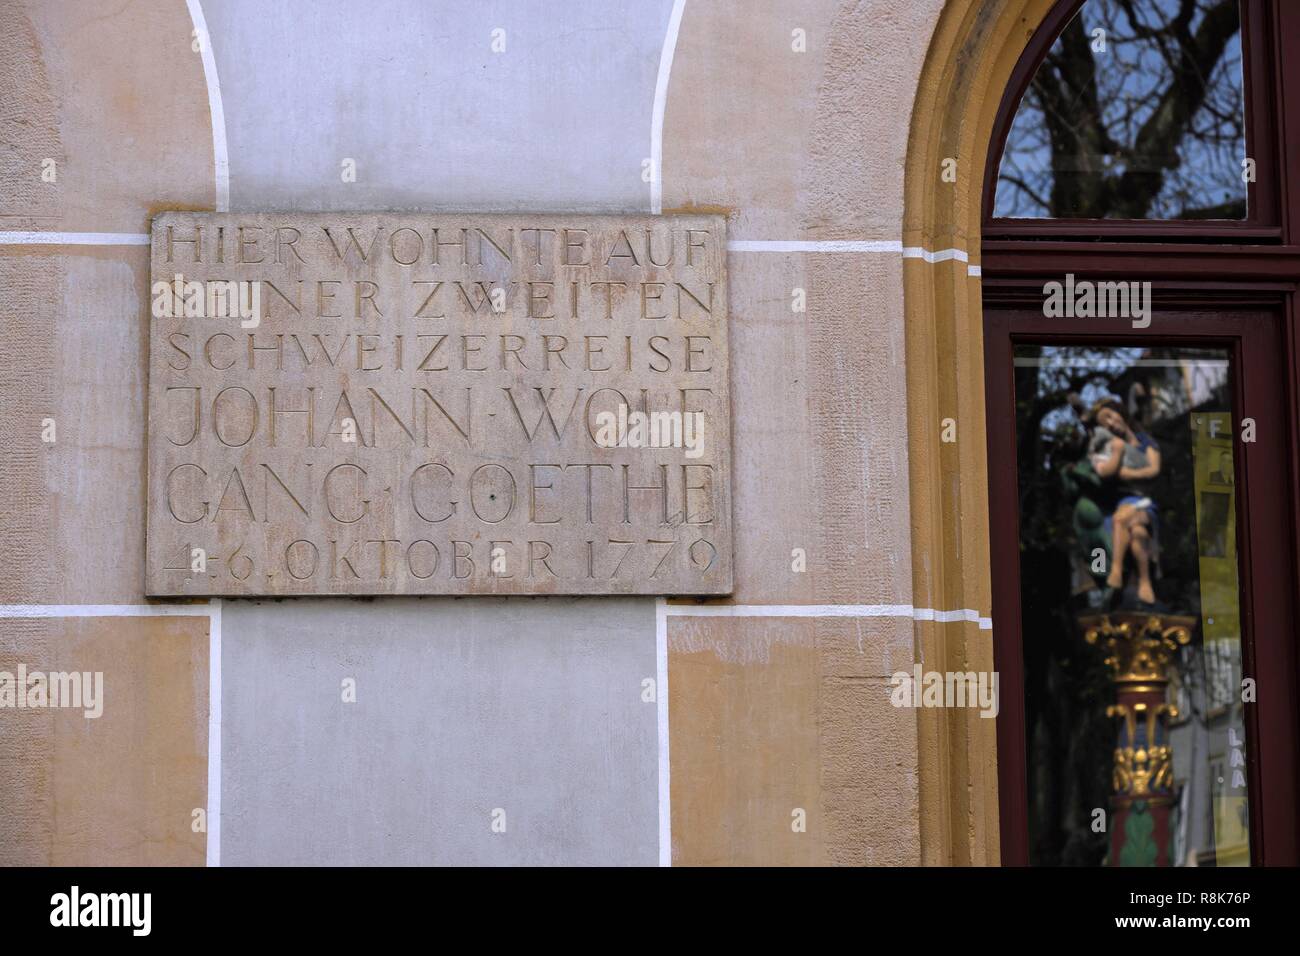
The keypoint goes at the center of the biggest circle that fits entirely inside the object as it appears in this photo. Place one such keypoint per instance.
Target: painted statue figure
(1130, 460)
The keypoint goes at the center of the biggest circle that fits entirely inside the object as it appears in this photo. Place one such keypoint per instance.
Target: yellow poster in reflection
(1216, 525)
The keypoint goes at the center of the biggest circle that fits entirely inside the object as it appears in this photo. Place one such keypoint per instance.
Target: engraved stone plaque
(438, 404)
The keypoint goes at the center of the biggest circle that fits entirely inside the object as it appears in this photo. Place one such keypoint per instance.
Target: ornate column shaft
(1139, 649)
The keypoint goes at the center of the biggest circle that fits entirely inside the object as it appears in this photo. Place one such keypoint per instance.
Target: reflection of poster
(1221, 473)
(1232, 840)
(1214, 512)
(1216, 528)
(1216, 525)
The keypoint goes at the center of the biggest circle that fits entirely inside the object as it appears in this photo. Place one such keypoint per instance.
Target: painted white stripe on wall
(665, 764)
(819, 245)
(943, 255)
(214, 735)
(853, 245)
(828, 610)
(660, 105)
(74, 239)
(220, 155)
(106, 610)
(666, 55)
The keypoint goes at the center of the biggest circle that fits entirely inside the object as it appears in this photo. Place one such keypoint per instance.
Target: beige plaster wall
(834, 408)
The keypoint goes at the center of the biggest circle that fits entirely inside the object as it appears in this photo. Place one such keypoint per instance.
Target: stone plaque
(438, 404)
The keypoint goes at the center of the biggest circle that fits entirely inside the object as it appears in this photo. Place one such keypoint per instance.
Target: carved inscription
(438, 404)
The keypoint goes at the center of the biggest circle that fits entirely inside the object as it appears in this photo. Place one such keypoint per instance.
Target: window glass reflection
(1130, 617)
(1137, 113)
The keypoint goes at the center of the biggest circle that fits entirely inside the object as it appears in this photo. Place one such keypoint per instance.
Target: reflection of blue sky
(1130, 75)
(1190, 377)
(1058, 365)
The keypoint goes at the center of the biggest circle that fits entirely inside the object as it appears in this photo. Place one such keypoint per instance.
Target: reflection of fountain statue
(1114, 518)
(1128, 535)
(1089, 497)
(1130, 461)
(1139, 649)
(1083, 487)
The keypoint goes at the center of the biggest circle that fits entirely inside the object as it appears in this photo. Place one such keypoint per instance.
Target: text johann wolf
(651, 430)
(1098, 300)
(214, 299)
(103, 909)
(37, 690)
(947, 689)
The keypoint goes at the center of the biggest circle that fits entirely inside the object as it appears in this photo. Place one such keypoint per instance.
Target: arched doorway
(1139, 273)
(1226, 285)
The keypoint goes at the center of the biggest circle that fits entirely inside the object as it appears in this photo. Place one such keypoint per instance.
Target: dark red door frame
(1219, 283)
(1266, 549)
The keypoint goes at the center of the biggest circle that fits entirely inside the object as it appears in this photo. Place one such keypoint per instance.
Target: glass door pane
(1131, 626)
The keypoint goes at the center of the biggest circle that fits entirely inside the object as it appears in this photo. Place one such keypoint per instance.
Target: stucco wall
(462, 708)
(534, 706)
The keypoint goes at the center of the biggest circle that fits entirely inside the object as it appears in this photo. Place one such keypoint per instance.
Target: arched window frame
(1260, 34)
(1193, 265)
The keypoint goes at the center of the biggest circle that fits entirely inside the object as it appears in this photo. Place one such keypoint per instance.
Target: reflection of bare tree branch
(1156, 147)
(1078, 135)
(1150, 126)
(1020, 182)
